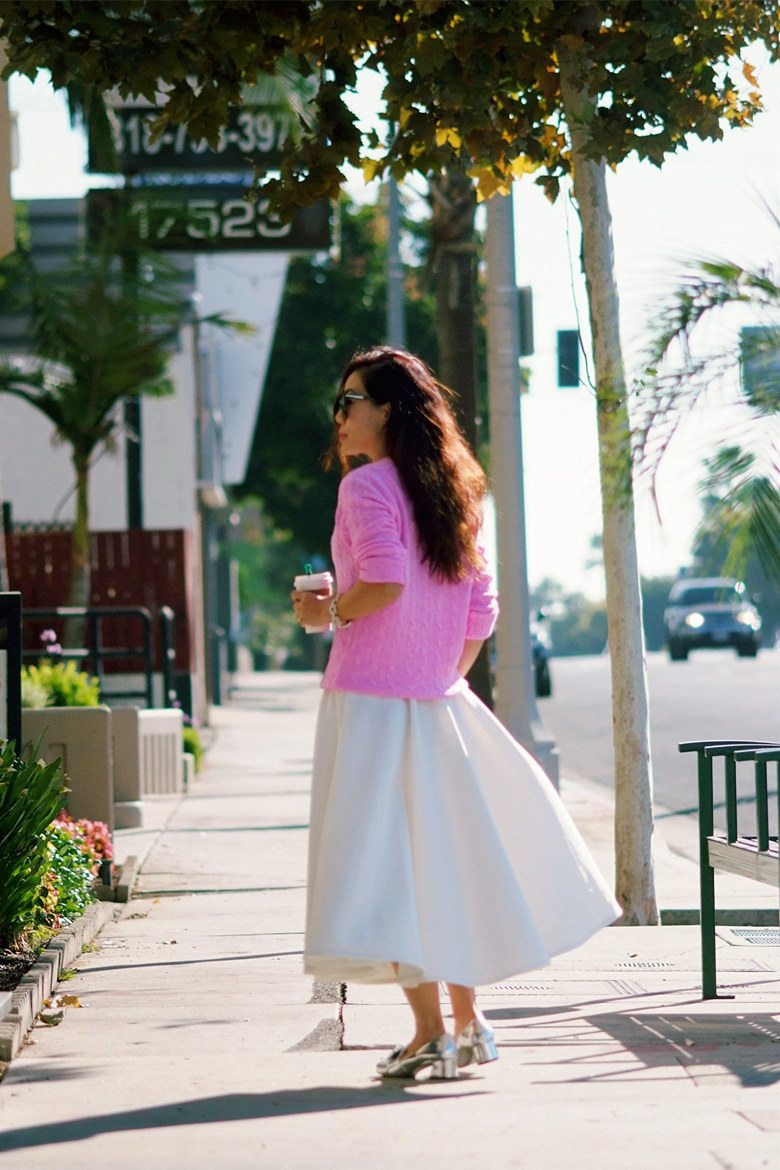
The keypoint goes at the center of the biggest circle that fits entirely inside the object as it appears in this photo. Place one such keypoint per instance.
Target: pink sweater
(411, 648)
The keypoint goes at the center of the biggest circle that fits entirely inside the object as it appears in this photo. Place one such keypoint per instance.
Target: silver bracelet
(334, 615)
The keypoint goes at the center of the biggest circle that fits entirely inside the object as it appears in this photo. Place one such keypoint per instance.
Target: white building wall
(169, 457)
(245, 287)
(36, 475)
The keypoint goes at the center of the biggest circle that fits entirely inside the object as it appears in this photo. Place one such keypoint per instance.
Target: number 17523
(207, 219)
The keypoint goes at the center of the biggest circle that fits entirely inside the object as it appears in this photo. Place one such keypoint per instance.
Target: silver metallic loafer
(382, 1064)
(439, 1055)
(477, 1043)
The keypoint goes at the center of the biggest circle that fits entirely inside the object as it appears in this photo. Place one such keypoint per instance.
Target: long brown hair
(441, 475)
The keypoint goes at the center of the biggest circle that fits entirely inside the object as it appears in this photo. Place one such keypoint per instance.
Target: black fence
(137, 653)
(11, 667)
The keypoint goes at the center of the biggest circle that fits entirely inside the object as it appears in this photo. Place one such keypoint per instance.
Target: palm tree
(99, 335)
(742, 478)
(453, 268)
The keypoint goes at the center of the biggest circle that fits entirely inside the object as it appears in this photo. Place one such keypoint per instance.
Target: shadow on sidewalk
(743, 1045)
(87, 971)
(230, 1107)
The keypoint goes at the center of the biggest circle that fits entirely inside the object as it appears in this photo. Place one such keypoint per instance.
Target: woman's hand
(469, 656)
(311, 609)
(364, 598)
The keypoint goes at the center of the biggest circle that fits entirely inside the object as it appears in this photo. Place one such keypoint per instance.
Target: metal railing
(732, 752)
(10, 667)
(95, 654)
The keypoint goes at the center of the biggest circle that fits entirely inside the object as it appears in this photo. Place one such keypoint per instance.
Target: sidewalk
(199, 1043)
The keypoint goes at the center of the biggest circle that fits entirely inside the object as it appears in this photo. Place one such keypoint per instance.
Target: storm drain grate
(643, 965)
(527, 987)
(570, 988)
(768, 936)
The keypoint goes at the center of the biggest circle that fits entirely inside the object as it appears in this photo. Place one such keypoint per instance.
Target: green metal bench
(752, 857)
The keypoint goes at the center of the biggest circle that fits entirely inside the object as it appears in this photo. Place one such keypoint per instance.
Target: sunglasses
(345, 398)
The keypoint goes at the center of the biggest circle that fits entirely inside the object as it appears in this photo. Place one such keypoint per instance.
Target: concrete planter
(115, 759)
(82, 737)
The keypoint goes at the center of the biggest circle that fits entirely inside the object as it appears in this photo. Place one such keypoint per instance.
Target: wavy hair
(438, 469)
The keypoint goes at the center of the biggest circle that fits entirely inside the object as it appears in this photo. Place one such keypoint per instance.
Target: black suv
(713, 612)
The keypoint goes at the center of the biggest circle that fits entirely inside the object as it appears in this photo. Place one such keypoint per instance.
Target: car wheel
(543, 679)
(678, 652)
(747, 650)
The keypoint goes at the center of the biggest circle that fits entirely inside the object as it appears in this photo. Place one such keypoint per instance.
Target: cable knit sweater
(411, 648)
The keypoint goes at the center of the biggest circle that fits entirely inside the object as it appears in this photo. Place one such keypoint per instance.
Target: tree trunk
(80, 591)
(635, 888)
(453, 263)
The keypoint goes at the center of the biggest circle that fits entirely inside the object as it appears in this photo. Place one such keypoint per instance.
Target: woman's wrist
(336, 618)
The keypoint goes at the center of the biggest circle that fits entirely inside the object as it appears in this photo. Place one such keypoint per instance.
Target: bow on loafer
(477, 1043)
(382, 1064)
(440, 1055)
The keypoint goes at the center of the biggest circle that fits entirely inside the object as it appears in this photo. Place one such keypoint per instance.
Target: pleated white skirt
(439, 844)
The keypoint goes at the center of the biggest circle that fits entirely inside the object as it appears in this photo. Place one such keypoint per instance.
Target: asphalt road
(713, 695)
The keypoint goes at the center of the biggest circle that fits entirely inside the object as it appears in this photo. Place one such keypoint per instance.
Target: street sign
(254, 137)
(206, 218)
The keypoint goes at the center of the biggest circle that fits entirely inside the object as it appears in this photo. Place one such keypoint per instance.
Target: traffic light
(568, 358)
(525, 311)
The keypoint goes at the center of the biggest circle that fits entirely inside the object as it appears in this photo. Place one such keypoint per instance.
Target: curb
(122, 891)
(37, 984)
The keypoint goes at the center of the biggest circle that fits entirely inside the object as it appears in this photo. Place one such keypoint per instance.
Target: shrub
(193, 744)
(68, 885)
(62, 684)
(31, 795)
(76, 852)
(92, 837)
(34, 693)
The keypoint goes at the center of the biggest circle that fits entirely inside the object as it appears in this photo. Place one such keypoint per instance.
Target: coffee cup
(315, 583)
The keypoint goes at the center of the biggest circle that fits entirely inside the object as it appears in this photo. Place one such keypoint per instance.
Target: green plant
(34, 693)
(31, 795)
(92, 837)
(60, 684)
(70, 875)
(193, 744)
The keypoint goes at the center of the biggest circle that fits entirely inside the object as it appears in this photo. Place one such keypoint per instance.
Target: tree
(742, 479)
(503, 89)
(332, 307)
(98, 337)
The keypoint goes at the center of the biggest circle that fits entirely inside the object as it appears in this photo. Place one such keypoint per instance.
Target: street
(713, 695)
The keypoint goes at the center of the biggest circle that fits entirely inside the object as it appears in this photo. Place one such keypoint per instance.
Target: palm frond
(676, 377)
(743, 513)
(287, 88)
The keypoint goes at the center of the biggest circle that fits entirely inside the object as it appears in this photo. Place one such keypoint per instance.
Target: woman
(439, 851)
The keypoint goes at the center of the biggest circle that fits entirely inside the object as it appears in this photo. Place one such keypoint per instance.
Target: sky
(705, 201)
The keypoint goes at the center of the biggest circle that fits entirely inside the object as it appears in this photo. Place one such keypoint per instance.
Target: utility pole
(7, 243)
(515, 701)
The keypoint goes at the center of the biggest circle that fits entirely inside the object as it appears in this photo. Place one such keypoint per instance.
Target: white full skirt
(439, 844)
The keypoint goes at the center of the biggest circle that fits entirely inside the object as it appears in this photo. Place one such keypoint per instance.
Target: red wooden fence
(149, 568)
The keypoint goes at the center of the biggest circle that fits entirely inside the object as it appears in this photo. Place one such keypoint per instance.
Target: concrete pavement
(199, 1043)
